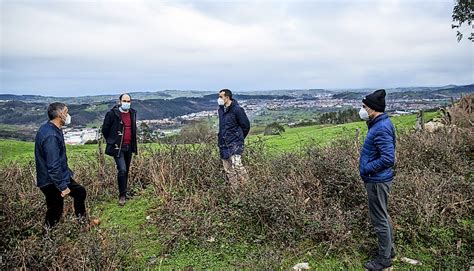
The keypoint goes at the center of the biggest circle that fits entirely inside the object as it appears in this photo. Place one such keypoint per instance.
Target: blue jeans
(123, 166)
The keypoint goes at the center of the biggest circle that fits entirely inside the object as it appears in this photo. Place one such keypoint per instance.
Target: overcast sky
(73, 48)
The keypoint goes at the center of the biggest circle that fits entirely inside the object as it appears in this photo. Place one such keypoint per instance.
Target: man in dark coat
(53, 175)
(120, 132)
(234, 127)
(376, 163)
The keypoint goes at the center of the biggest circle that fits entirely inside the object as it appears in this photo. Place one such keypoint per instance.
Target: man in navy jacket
(53, 175)
(376, 163)
(234, 127)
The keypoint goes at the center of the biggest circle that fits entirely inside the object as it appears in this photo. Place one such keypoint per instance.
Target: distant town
(255, 107)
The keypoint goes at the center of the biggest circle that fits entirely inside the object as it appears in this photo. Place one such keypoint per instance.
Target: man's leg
(78, 192)
(128, 161)
(54, 203)
(230, 172)
(239, 168)
(121, 174)
(392, 247)
(378, 200)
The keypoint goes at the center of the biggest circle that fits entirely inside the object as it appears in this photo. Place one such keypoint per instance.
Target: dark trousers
(55, 203)
(378, 201)
(123, 166)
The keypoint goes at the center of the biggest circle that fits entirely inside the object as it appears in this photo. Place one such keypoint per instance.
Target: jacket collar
(232, 105)
(380, 117)
(56, 128)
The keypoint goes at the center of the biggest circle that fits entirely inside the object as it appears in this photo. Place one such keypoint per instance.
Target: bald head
(125, 98)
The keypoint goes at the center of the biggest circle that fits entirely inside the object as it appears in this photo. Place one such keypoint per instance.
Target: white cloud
(108, 45)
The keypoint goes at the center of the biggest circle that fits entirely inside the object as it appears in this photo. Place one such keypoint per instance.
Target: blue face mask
(125, 106)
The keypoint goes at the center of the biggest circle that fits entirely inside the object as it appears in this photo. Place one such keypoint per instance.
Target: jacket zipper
(121, 139)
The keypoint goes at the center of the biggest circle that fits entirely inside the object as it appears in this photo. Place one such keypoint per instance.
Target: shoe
(379, 264)
(94, 222)
(122, 200)
(375, 253)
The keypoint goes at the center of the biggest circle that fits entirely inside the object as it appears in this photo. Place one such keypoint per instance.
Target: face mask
(67, 121)
(220, 101)
(363, 114)
(125, 106)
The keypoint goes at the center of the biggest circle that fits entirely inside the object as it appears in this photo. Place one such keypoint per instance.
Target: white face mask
(220, 101)
(363, 114)
(125, 106)
(67, 121)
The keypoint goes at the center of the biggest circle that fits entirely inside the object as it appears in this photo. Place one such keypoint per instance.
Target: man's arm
(243, 121)
(384, 144)
(106, 125)
(51, 149)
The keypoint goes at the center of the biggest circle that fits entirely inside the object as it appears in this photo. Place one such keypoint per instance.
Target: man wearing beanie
(377, 159)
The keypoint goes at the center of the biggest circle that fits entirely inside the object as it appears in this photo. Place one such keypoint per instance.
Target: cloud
(85, 47)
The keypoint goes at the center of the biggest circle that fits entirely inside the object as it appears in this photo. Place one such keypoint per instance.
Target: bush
(313, 196)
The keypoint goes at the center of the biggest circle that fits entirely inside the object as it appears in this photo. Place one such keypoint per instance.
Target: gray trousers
(378, 201)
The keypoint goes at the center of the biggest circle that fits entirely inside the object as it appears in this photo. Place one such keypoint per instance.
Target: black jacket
(113, 128)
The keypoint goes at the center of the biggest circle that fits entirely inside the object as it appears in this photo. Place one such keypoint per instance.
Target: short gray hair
(54, 109)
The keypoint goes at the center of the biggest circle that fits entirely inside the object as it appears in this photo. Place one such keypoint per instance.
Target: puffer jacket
(377, 157)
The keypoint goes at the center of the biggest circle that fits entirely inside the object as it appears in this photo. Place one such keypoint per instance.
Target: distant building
(80, 136)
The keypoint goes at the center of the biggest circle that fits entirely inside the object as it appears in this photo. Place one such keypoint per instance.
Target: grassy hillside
(293, 138)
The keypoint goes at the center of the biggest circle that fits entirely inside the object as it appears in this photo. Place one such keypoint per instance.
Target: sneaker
(122, 200)
(379, 264)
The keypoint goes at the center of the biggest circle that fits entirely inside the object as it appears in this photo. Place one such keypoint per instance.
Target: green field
(291, 139)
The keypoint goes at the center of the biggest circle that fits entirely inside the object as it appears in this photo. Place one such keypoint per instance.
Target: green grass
(129, 223)
(291, 139)
(24, 152)
(13, 150)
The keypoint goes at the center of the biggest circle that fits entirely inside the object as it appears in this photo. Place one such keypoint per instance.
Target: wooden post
(420, 124)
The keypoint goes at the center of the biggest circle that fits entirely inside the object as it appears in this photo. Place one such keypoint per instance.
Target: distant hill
(30, 110)
(166, 94)
(17, 112)
(413, 93)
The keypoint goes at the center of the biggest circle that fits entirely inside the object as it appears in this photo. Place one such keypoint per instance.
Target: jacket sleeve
(243, 121)
(384, 143)
(51, 149)
(106, 125)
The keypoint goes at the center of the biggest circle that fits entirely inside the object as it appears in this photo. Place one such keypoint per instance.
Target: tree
(274, 129)
(463, 12)
(146, 134)
(197, 132)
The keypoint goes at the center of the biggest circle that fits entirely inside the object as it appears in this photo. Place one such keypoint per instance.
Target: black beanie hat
(376, 100)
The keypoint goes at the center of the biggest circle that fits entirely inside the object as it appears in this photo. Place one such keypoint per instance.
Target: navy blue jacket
(377, 156)
(50, 157)
(234, 127)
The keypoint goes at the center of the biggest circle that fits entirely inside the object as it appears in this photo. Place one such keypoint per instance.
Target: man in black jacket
(120, 132)
(234, 127)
